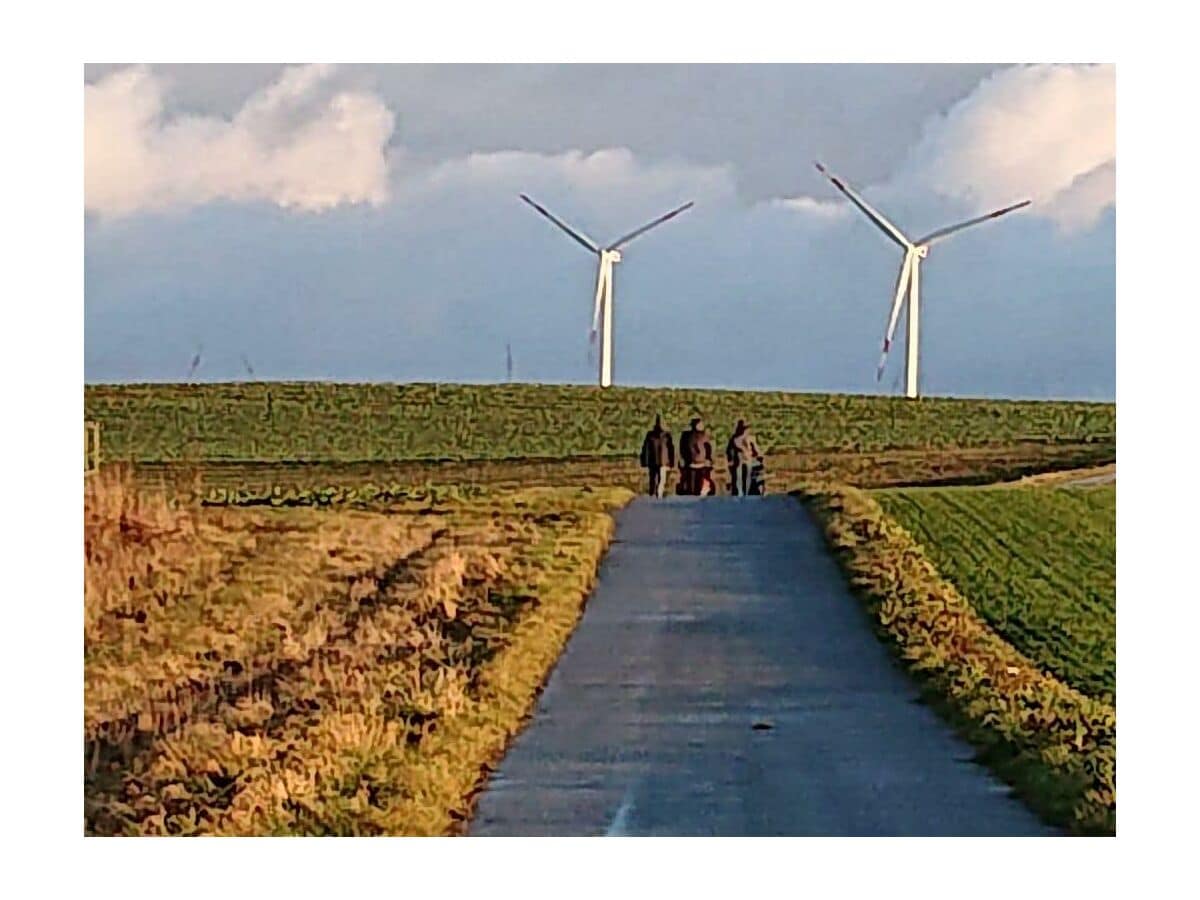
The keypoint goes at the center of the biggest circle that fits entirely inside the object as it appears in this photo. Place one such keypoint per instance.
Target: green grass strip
(1053, 744)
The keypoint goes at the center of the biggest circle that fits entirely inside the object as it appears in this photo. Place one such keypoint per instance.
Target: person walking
(729, 461)
(742, 452)
(704, 446)
(658, 456)
(696, 459)
(686, 452)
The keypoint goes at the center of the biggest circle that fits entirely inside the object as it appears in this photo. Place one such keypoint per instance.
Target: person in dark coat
(658, 456)
(696, 459)
(733, 479)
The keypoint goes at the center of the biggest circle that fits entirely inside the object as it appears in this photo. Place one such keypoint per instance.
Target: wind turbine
(609, 256)
(908, 282)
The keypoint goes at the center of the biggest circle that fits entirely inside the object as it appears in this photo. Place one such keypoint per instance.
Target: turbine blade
(583, 239)
(897, 304)
(629, 237)
(950, 229)
(884, 225)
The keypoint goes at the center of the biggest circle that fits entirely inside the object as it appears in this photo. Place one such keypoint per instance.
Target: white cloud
(823, 209)
(299, 142)
(597, 176)
(1029, 131)
(1043, 132)
(603, 193)
(1077, 205)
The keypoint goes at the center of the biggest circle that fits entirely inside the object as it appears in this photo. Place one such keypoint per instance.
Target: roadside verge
(348, 670)
(1053, 744)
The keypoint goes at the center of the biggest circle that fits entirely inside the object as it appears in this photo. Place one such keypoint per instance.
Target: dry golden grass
(281, 671)
(175, 598)
(122, 526)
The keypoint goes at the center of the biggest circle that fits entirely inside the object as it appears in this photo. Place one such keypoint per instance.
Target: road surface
(1095, 475)
(1092, 480)
(723, 681)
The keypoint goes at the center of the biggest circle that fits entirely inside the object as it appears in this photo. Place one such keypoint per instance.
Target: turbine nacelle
(612, 256)
(922, 251)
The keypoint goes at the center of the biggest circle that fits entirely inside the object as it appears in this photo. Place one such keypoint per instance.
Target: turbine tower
(602, 313)
(908, 282)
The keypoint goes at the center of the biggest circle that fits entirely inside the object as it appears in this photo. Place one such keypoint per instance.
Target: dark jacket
(695, 448)
(658, 449)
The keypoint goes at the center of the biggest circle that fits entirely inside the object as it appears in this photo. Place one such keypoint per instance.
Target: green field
(324, 422)
(1039, 564)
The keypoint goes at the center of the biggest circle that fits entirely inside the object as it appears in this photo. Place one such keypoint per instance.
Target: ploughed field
(1038, 563)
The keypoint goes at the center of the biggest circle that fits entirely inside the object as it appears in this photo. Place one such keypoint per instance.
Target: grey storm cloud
(363, 223)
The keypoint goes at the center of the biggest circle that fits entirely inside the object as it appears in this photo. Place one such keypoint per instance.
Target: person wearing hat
(695, 459)
(658, 456)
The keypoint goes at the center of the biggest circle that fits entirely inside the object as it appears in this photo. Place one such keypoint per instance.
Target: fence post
(91, 448)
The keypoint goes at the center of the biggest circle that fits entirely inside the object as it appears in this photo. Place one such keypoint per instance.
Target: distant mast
(508, 360)
(196, 360)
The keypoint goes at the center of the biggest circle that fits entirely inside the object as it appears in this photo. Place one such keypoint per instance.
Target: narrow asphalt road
(712, 617)
(1106, 478)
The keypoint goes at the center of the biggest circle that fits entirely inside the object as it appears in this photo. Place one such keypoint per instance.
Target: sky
(362, 223)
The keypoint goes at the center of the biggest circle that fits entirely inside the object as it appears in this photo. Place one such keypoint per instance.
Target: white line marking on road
(620, 822)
